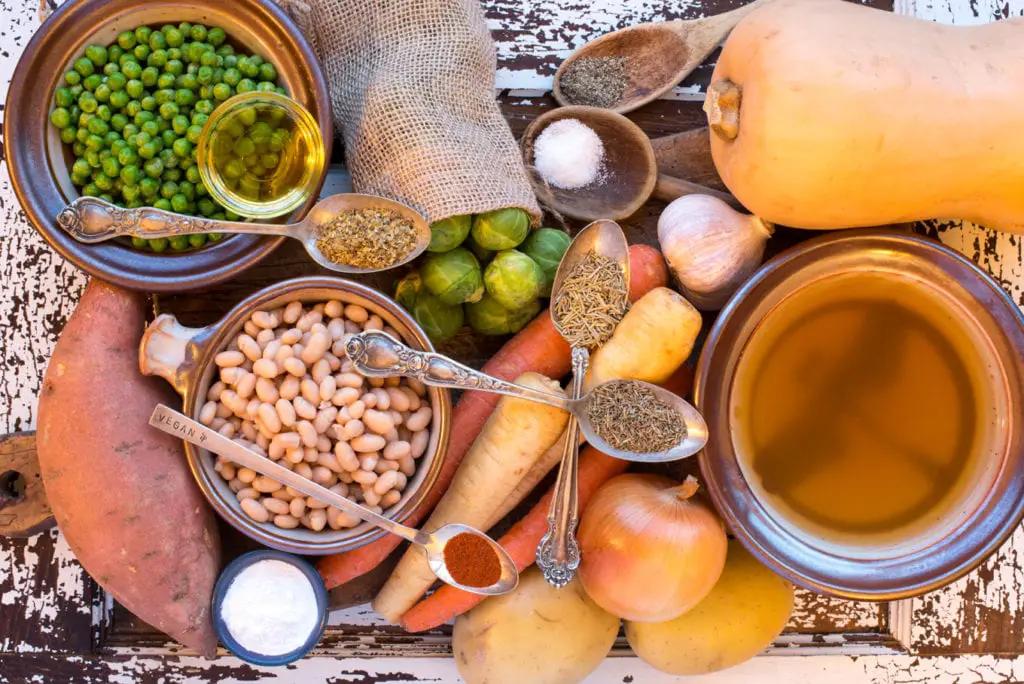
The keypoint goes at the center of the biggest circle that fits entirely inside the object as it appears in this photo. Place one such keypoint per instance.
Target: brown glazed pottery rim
(966, 542)
(38, 185)
(185, 358)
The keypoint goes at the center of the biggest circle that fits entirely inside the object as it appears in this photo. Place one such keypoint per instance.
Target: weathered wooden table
(56, 625)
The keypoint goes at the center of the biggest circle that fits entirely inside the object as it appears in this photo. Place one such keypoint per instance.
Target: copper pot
(184, 357)
(989, 509)
(40, 163)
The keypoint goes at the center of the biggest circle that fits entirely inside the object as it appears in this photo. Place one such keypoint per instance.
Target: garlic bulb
(710, 247)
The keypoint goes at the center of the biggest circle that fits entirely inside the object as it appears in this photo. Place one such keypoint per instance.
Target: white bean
(307, 433)
(376, 382)
(270, 351)
(367, 443)
(385, 483)
(407, 466)
(293, 366)
(368, 462)
(333, 361)
(399, 401)
(396, 450)
(414, 399)
(229, 359)
(416, 386)
(266, 390)
(370, 497)
(377, 421)
(236, 485)
(384, 465)
(345, 396)
(275, 506)
(246, 385)
(298, 507)
(231, 375)
(292, 312)
(249, 430)
(266, 368)
(304, 408)
(228, 430)
(420, 419)
(263, 338)
(346, 457)
(324, 419)
(314, 503)
(286, 522)
(339, 520)
(251, 408)
(349, 380)
(213, 394)
(322, 476)
(317, 520)
(268, 415)
(265, 484)
(285, 412)
(283, 494)
(266, 320)
(291, 337)
(419, 443)
(294, 456)
(336, 328)
(323, 443)
(289, 388)
(315, 348)
(363, 477)
(287, 440)
(390, 499)
(329, 461)
(356, 313)
(374, 322)
(247, 493)
(255, 510)
(353, 429)
(356, 409)
(333, 308)
(383, 398)
(251, 328)
(327, 388)
(208, 413)
(402, 481)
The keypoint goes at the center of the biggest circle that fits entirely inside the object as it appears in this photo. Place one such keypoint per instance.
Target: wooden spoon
(658, 55)
(630, 175)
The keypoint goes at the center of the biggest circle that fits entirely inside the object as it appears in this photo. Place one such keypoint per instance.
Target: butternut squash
(828, 114)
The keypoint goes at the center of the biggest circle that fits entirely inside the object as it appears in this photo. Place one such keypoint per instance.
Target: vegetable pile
(132, 112)
(488, 270)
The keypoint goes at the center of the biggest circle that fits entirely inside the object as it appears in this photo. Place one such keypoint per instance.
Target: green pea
(103, 181)
(169, 110)
(118, 122)
(141, 138)
(143, 33)
(107, 197)
(182, 147)
(132, 71)
(127, 40)
(204, 107)
(127, 157)
(158, 59)
(195, 240)
(67, 135)
(120, 99)
(149, 187)
(206, 92)
(249, 185)
(117, 81)
(230, 215)
(153, 168)
(114, 53)
(218, 75)
(126, 59)
(211, 59)
(192, 175)
(245, 85)
(193, 133)
(142, 117)
(134, 88)
(169, 189)
(81, 168)
(82, 134)
(110, 68)
(104, 112)
(130, 175)
(205, 75)
(93, 158)
(149, 76)
(200, 119)
(266, 87)
(129, 132)
(221, 91)
(268, 72)
(175, 54)
(102, 92)
(216, 36)
(244, 147)
(98, 126)
(180, 124)
(97, 54)
(174, 66)
(150, 128)
(278, 140)
(63, 97)
(195, 52)
(168, 136)
(231, 61)
(111, 167)
(149, 104)
(158, 244)
(270, 160)
(166, 81)
(186, 28)
(149, 150)
(174, 37)
(187, 188)
(171, 175)
(179, 203)
(87, 101)
(139, 243)
(189, 82)
(157, 41)
(198, 32)
(141, 52)
(180, 242)
(256, 59)
(184, 97)
(247, 116)
(234, 168)
(206, 206)
(93, 82)
(110, 137)
(232, 76)
(60, 117)
(72, 78)
(78, 148)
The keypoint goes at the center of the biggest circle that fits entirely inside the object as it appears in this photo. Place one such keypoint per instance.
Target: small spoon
(90, 220)
(377, 354)
(659, 55)
(178, 424)
(629, 176)
(558, 553)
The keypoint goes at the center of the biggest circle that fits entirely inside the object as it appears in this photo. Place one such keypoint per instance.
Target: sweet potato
(121, 492)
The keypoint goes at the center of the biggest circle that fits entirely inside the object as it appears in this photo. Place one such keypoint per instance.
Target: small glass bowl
(228, 576)
(301, 158)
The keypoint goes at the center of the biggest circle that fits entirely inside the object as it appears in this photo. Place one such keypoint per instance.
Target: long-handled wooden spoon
(658, 55)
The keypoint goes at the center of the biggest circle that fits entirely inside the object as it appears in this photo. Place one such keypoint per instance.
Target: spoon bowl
(179, 425)
(604, 237)
(91, 220)
(658, 55)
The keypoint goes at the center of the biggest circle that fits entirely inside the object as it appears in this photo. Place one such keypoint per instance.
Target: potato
(741, 616)
(651, 341)
(535, 634)
(121, 491)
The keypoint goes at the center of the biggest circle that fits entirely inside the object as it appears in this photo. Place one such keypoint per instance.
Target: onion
(649, 550)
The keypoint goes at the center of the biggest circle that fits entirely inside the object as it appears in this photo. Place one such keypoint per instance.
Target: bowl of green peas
(110, 100)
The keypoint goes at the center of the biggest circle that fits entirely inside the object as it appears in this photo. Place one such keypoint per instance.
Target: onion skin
(649, 550)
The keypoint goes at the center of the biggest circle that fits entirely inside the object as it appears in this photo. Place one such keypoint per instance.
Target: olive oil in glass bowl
(261, 154)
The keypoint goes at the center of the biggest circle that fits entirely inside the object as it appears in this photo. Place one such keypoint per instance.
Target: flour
(270, 608)
(568, 154)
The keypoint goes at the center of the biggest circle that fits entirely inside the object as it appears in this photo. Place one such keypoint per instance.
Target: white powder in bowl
(568, 154)
(270, 608)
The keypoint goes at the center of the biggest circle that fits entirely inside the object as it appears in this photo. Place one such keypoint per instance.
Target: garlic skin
(711, 248)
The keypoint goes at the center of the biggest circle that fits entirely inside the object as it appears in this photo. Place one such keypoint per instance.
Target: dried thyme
(595, 81)
(591, 302)
(367, 238)
(631, 417)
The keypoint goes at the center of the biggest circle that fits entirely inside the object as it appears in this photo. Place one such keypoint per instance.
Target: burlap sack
(412, 89)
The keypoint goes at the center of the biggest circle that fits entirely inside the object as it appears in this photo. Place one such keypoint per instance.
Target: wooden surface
(55, 625)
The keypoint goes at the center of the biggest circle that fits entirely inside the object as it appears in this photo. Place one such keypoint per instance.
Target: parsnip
(516, 435)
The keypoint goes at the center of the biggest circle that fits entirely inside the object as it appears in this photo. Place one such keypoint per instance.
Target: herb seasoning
(367, 238)
(595, 81)
(592, 300)
(471, 561)
(631, 417)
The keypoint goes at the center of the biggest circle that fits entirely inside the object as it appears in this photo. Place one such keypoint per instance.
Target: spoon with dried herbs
(628, 419)
(346, 233)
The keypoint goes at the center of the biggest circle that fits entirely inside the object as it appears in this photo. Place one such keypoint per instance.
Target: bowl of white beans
(272, 375)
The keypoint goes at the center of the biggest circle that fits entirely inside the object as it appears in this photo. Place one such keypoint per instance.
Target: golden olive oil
(857, 406)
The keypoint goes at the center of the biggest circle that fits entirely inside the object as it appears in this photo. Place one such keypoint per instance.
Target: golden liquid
(856, 406)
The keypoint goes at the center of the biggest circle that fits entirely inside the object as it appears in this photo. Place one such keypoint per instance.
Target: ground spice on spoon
(592, 300)
(366, 238)
(631, 417)
(595, 81)
(471, 561)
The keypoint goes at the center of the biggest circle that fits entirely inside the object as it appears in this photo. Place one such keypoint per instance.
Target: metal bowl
(184, 357)
(975, 524)
(39, 162)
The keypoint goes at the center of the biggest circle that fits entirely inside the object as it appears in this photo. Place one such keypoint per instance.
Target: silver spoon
(90, 220)
(178, 424)
(377, 354)
(558, 554)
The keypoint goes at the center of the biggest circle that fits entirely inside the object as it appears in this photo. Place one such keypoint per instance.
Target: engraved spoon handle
(558, 554)
(375, 353)
(178, 424)
(90, 219)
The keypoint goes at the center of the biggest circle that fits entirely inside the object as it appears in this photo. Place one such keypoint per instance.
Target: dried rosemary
(631, 417)
(591, 302)
(595, 81)
(367, 238)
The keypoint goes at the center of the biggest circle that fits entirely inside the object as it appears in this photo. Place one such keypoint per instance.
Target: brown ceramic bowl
(39, 162)
(965, 532)
(184, 357)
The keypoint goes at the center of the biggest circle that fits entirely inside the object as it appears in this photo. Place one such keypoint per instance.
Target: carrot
(538, 348)
(595, 468)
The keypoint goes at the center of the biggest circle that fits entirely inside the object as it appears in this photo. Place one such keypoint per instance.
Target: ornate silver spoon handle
(90, 219)
(558, 554)
(376, 353)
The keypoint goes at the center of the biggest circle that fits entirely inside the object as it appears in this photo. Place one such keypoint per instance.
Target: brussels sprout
(490, 318)
(501, 229)
(513, 279)
(407, 290)
(450, 233)
(546, 246)
(439, 320)
(482, 254)
(453, 277)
